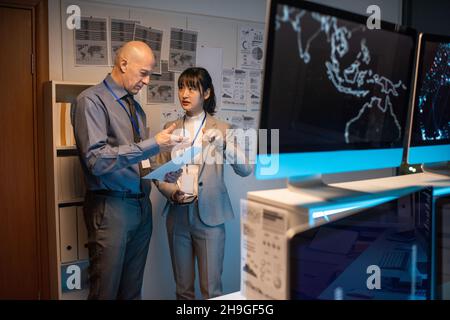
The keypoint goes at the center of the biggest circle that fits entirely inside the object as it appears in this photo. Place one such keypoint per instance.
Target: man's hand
(173, 176)
(177, 196)
(166, 140)
(215, 137)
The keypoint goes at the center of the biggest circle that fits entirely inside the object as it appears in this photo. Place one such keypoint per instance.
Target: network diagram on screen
(370, 92)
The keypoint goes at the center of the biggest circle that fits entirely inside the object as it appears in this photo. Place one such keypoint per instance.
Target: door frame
(39, 11)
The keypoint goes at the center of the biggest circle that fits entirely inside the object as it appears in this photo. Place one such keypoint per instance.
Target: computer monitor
(384, 252)
(337, 91)
(430, 130)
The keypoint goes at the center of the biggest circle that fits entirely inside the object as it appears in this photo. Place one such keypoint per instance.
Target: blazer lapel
(179, 123)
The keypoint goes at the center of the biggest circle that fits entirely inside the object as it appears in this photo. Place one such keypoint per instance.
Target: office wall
(426, 17)
(217, 22)
(391, 10)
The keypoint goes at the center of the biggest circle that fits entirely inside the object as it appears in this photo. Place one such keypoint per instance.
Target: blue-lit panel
(300, 164)
(429, 154)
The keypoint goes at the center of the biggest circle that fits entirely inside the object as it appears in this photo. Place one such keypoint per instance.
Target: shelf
(66, 180)
(66, 151)
(75, 295)
(70, 203)
(81, 261)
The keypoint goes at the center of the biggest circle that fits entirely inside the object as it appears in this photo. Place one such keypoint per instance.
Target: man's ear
(123, 65)
(206, 94)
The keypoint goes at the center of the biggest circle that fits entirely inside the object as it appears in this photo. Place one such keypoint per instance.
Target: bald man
(114, 148)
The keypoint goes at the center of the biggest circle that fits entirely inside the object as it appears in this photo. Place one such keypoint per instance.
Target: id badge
(187, 183)
(146, 164)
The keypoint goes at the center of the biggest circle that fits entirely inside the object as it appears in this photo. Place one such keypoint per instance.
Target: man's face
(137, 74)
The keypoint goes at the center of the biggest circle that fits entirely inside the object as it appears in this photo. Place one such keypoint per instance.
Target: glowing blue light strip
(321, 213)
(441, 191)
(429, 154)
(286, 165)
(322, 210)
(326, 213)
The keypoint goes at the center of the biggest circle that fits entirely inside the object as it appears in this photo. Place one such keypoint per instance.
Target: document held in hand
(186, 158)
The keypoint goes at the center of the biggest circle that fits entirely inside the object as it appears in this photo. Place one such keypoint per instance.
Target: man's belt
(119, 194)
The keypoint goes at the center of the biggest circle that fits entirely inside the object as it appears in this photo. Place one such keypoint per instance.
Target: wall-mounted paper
(170, 114)
(153, 38)
(122, 31)
(254, 89)
(251, 48)
(91, 47)
(234, 92)
(183, 49)
(161, 88)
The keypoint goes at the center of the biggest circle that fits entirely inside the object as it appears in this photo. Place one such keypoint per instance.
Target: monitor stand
(442, 168)
(314, 185)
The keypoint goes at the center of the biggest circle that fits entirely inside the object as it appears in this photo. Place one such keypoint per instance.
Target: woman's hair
(199, 79)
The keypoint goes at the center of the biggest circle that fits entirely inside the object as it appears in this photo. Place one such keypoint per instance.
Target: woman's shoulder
(221, 124)
(169, 123)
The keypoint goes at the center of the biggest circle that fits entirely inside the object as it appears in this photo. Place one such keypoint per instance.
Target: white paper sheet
(122, 31)
(234, 91)
(153, 38)
(251, 48)
(162, 87)
(175, 164)
(183, 48)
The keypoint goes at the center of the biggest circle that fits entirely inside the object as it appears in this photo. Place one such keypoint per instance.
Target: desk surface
(287, 199)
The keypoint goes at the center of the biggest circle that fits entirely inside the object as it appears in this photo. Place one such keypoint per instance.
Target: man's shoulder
(91, 92)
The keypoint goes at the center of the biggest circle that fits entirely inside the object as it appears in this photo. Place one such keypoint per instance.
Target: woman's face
(192, 100)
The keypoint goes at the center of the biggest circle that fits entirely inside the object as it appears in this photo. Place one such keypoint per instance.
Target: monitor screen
(384, 252)
(332, 85)
(430, 133)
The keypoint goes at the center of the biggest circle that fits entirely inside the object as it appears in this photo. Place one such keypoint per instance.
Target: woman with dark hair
(198, 203)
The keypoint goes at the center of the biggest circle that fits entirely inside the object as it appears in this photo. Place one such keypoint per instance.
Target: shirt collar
(118, 90)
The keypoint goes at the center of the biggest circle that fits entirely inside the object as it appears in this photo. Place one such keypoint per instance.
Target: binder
(68, 234)
(65, 136)
(70, 178)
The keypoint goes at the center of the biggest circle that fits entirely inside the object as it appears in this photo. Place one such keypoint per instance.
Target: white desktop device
(272, 219)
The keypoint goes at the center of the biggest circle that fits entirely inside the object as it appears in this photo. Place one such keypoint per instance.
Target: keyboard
(394, 260)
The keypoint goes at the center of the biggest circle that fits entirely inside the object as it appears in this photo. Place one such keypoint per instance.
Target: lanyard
(133, 122)
(198, 131)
